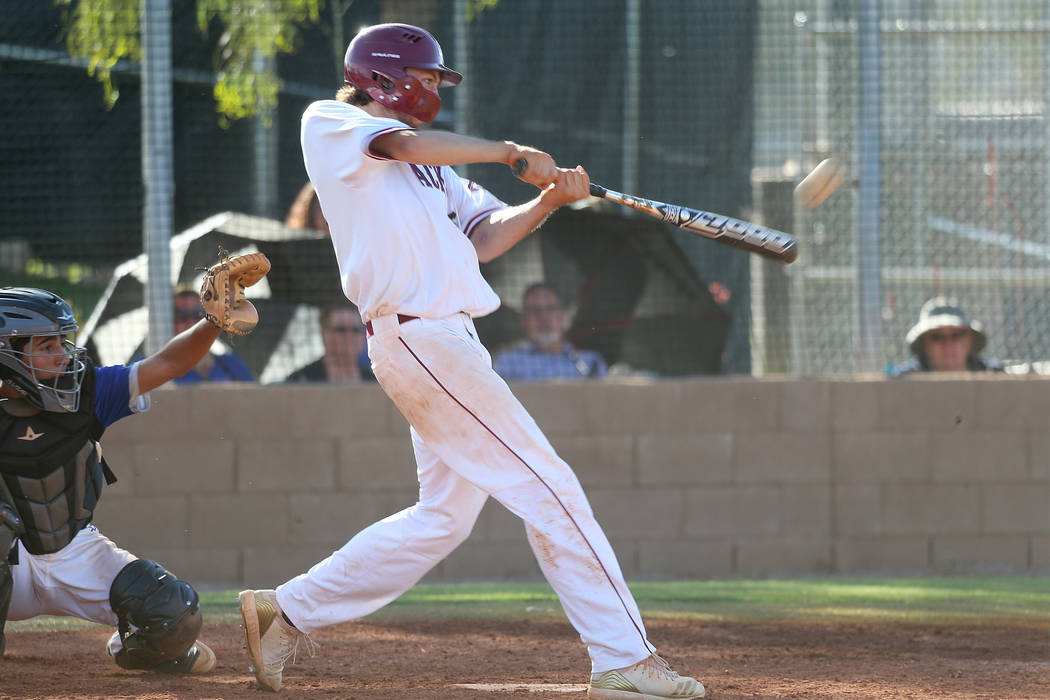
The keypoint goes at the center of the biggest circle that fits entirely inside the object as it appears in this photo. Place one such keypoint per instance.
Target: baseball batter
(408, 234)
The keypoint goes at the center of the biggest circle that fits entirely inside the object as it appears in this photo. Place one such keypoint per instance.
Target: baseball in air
(819, 184)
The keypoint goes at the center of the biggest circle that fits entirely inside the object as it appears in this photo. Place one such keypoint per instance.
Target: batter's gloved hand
(222, 291)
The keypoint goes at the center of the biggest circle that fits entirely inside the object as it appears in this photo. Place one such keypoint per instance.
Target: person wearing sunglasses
(945, 339)
(343, 337)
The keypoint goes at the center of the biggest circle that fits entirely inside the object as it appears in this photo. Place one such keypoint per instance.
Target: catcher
(54, 406)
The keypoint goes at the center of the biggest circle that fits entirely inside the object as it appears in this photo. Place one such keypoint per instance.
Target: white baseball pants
(472, 439)
(73, 581)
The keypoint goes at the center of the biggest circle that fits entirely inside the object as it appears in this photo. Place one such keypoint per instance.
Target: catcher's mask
(376, 61)
(26, 313)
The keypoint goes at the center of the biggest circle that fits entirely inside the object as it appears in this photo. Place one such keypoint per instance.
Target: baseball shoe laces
(652, 678)
(271, 641)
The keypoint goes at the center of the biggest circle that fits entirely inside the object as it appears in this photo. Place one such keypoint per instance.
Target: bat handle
(597, 190)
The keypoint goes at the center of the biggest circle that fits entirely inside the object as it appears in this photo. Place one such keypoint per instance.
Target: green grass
(946, 600)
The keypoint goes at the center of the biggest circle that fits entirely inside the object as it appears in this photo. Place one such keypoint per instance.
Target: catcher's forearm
(178, 356)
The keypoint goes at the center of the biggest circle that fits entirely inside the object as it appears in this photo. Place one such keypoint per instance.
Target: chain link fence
(937, 109)
(951, 187)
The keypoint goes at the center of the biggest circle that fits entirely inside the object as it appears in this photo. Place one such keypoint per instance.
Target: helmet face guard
(376, 62)
(26, 313)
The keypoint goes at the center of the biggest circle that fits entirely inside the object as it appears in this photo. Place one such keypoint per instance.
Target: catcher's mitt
(222, 291)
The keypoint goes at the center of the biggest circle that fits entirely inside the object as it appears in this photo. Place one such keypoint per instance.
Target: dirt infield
(462, 660)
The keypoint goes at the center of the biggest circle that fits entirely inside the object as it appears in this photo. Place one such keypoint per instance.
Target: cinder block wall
(698, 478)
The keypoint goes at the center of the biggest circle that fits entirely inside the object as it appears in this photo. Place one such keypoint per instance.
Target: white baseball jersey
(420, 260)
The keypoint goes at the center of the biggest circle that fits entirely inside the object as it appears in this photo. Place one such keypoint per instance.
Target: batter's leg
(387, 558)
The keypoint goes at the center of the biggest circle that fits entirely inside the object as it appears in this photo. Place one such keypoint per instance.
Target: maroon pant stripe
(540, 479)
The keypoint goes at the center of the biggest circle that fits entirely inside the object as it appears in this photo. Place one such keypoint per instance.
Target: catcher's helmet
(26, 312)
(376, 61)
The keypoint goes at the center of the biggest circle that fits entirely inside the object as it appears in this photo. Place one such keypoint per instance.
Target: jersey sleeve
(337, 138)
(116, 393)
(469, 203)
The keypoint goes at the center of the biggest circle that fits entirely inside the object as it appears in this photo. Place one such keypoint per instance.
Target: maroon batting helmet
(376, 61)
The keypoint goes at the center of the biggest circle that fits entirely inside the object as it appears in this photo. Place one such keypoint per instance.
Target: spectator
(305, 211)
(945, 340)
(545, 353)
(213, 367)
(343, 336)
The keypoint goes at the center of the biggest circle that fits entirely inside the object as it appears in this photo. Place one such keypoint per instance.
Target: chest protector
(52, 466)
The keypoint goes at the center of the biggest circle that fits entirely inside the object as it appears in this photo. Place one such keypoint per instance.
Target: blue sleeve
(112, 393)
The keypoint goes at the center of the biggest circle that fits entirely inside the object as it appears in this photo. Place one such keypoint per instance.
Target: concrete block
(805, 405)
(247, 520)
(489, 561)
(203, 569)
(396, 424)
(614, 408)
(270, 566)
(368, 464)
(598, 460)
(1015, 508)
(183, 466)
(336, 411)
(805, 510)
(1039, 455)
(928, 401)
(871, 457)
(782, 457)
(732, 511)
(855, 405)
(685, 459)
(627, 553)
(758, 405)
(559, 408)
(168, 417)
(858, 509)
(1033, 401)
(145, 521)
(1005, 403)
(639, 513)
(286, 466)
(783, 555)
(980, 555)
(120, 455)
(497, 524)
(978, 456)
(883, 555)
(333, 517)
(226, 411)
(685, 559)
(921, 509)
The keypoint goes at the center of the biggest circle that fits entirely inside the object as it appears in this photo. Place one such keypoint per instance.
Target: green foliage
(476, 7)
(254, 31)
(103, 32)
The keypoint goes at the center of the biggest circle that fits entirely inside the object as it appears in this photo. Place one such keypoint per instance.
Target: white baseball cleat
(650, 679)
(271, 640)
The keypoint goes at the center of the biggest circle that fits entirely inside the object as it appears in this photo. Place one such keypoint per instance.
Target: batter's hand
(569, 186)
(532, 166)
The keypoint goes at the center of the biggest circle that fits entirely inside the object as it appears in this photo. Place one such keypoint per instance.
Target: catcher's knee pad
(159, 615)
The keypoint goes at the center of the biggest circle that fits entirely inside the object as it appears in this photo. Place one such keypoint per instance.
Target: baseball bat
(721, 229)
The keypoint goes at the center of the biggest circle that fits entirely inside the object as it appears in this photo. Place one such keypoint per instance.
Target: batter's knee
(450, 528)
(159, 615)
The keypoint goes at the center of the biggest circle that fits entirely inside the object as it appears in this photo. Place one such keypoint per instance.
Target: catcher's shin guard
(159, 616)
